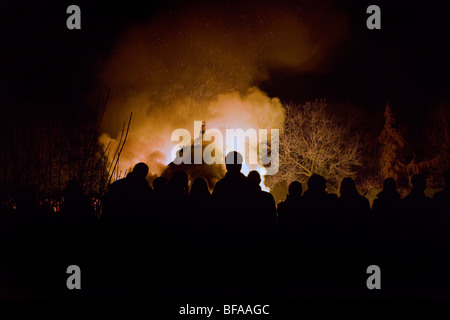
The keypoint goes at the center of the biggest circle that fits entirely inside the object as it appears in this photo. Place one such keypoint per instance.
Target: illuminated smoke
(206, 64)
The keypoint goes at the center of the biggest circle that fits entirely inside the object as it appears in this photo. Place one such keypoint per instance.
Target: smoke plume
(205, 64)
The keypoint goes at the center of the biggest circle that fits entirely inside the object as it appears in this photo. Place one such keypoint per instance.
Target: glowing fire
(149, 139)
(205, 64)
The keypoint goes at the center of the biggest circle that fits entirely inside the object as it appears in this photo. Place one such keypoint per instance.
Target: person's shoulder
(145, 184)
(407, 198)
(439, 195)
(363, 199)
(268, 195)
(332, 196)
(119, 183)
(241, 178)
(218, 185)
(116, 185)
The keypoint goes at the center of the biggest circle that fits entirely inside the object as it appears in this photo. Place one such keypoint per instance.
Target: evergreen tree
(392, 147)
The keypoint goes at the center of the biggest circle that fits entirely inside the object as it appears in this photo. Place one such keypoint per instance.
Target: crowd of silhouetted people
(173, 240)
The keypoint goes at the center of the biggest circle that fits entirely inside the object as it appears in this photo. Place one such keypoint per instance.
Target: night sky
(45, 66)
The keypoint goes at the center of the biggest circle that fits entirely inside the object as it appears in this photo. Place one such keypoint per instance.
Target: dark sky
(44, 66)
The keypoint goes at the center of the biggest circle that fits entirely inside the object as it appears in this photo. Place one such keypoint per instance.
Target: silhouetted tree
(438, 136)
(392, 148)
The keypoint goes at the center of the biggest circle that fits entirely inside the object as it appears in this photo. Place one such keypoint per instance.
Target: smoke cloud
(206, 64)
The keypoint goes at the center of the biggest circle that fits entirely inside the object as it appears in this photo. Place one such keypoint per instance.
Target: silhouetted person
(199, 191)
(159, 202)
(199, 231)
(291, 206)
(442, 203)
(175, 231)
(442, 198)
(126, 208)
(199, 202)
(263, 212)
(76, 210)
(176, 189)
(420, 234)
(231, 194)
(354, 208)
(351, 230)
(158, 186)
(389, 216)
(175, 200)
(231, 202)
(127, 200)
(318, 204)
(259, 233)
(387, 204)
(290, 236)
(419, 207)
(317, 230)
(389, 230)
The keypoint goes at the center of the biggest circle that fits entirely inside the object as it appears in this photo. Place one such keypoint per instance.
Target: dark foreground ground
(177, 261)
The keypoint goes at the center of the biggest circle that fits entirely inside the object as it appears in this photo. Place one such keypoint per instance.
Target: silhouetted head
(447, 179)
(389, 185)
(199, 187)
(254, 178)
(179, 182)
(73, 191)
(418, 182)
(159, 183)
(295, 189)
(140, 170)
(317, 183)
(233, 162)
(348, 188)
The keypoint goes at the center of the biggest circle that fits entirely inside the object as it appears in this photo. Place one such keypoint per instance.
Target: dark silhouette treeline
(172, 241)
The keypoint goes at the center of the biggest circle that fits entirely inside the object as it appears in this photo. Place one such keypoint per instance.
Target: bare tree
(316, 140)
